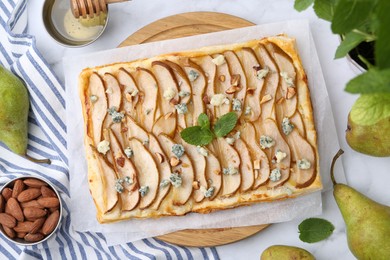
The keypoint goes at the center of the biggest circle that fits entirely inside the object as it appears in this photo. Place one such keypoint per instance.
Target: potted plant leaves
(365, 35)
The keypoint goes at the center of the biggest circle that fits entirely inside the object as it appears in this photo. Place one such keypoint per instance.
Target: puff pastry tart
(140, 167)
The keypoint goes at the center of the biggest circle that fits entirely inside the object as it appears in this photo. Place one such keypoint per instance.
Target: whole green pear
(282, 252)
(14, 103)
(367, 222)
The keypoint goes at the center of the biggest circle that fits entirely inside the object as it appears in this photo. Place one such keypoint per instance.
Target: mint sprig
(202, 134)
(315, 229)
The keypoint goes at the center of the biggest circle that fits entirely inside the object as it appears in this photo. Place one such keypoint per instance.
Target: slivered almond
(119, 161)
(217, 172)
(128, 96)
(280, 100)
(34, 183)
(232, 90)
(250, 91)
(256, 68)
(184, 165)
(206, 99)
(265, 99)
(195, 185)
(290, 92)
(174, 161)
(160, 157)
(256, 165)
(222, 78)
(168, 115)
(235, 80)
(124, 129)
(173, 102)
(18, 188)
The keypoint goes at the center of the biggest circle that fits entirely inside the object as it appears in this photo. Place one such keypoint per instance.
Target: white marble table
(368, 174)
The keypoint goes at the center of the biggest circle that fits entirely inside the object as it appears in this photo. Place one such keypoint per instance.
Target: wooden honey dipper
(90, 7)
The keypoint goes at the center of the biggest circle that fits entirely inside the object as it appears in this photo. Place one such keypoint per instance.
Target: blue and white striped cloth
(47, 139)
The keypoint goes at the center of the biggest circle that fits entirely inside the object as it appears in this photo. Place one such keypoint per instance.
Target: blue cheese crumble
(202, 151)
(116, 116)
(275, 175)
(164, 183)
(248, 110)
(175, 179)
(266, 141)
(181, 108)
(128, 152)
(262, 73)
(304, 164)
(143, 190)
(209, 192)
(178, 150)
(236, 105)
(183, 93)
(279, 156)
(287, 126)
(121, 182)
(93, 98)
(103, 147)
(230, 171)
(289, 81)
(193, 75)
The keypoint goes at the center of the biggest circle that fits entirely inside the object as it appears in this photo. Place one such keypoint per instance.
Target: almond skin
(51, 223)
(34, 213)
(13, 208)
(7, 220)
(31, 204)
(7, 193)
(49, 202)
(9, 232)
(21, 234)
(2, 203)
(29, 194)
(37, 225)
(34, 183)
(24, 227)
(18, 188)
(33, 237)
(47, 192)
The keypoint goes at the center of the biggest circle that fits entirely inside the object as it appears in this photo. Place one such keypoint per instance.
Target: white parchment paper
(82, 207)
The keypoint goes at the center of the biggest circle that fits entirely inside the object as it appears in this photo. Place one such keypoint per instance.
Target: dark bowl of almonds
(30, 210)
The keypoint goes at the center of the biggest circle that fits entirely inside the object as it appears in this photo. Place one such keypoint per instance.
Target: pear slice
(130, 91)
(248, 134)
(198, 90)
(229, 159)
(210, 70)
(183, 82)
(109, 178)
(199, 163)
(135, 131)
(125, 168)
(301, 149)
(246, 166)
(148, 175)
(222, 84)
(269, 128)
(285, 65)
(148, 88)
(99, 107)
(165, 124)
(297, 121)
(271, 82)
(236, 69)
(180, 195)
(213, 173)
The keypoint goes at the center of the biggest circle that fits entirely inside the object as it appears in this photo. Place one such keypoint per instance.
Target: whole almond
(7, 193)
(18, 188)
(13, 208)
(21, 234)
(33, 237)
(25, 226)
(2, 203)
(7, 220)
(34, 213)
(31, 204)
(51, 222)
(49, 202)
(34, 183)
(37, 225)
(9, 232)
(29, 194)
(47, 192)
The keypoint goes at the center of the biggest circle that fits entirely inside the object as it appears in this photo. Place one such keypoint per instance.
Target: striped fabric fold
(47, 139)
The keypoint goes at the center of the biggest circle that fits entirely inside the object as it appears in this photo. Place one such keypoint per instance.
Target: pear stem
(338, 154)
(47, 161)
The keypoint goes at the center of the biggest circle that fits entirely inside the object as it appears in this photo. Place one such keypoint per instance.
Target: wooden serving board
(177, 26)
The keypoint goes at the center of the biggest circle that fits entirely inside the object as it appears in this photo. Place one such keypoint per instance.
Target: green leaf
(195, 135)
(301, 5)
(225, 124)
(371, 81)
(315, 229)
(382, 47)
(351, 14)
(350, 41)
(370, 108)
(324, 9)
(203, 121)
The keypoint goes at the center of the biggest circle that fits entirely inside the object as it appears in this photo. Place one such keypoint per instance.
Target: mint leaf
(324, 9)
(225, 124)
(350, 41)
(301, 5)
(315, 229)
(351, 14)
(382, 46)
(195, 135)
(371, 81)
(370, 108)
(203, 121)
